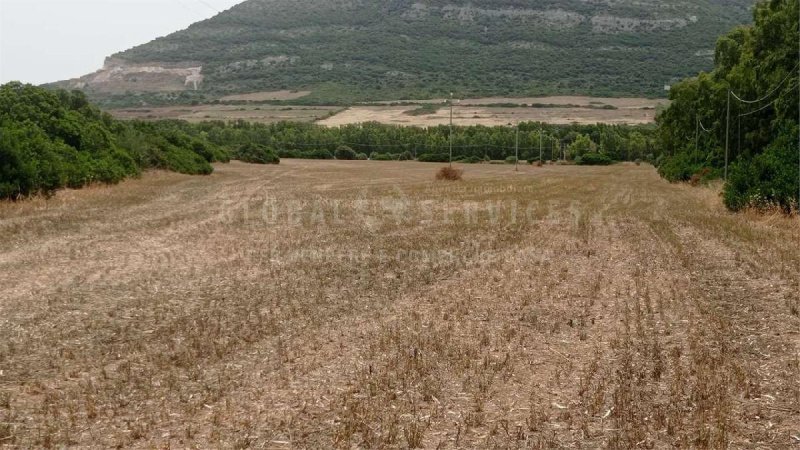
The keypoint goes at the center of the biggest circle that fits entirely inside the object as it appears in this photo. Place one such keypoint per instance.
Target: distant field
(251, 113)
(335, 304)
(267, 96)
(483, 111)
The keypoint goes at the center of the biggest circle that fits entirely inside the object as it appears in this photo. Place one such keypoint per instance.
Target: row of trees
(620, 143)
(757, 64)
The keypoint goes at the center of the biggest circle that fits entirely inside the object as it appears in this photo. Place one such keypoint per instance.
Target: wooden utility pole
(727, 134)
(516, 163)
(541, 150)
(451, 129)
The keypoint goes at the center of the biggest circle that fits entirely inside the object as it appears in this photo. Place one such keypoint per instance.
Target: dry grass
(323, 304)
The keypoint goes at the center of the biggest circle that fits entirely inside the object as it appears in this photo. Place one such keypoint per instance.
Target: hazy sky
(51, 40)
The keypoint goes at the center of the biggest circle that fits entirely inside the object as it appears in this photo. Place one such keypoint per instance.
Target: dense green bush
(257, 154)
(55, 139)
(594, 159)
(434, 157)
(680, 167)
(345, 153)
(769, 179)
(375, 156)
(316, 154)
(50, 140)
(362, 157)
(511, 160)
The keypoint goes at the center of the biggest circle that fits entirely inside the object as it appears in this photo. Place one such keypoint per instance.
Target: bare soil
(321, 304)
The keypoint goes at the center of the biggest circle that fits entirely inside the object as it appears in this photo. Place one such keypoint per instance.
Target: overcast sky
(52, 40)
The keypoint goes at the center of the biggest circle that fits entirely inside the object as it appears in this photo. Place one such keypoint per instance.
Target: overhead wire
(769, 94)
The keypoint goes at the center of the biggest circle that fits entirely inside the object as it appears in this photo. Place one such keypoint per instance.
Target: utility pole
(727, 134)
(541, 150)
(516, 162)
(697, 134)
(451, 129)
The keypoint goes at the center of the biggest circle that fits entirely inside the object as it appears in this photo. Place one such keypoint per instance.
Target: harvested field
(561, 100)
(321, 304)
(250, 113)
(481, 114)
(479, 111)
(267, 96)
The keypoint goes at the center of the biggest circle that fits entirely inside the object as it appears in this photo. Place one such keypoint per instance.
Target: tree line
(755, 72)
(51, 139)
(380, 141)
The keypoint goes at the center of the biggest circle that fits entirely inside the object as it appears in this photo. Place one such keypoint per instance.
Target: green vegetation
(257, 154)
(346, 51)
(593, 159)
(756, 63)
(345, 153)
(55, 139)
(434, 157)
(432, 144)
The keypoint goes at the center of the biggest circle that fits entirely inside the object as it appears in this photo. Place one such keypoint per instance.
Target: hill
(349, 50)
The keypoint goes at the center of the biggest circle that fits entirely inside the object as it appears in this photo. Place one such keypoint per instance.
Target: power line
(759, 109)
(204, 2)
(791, 73)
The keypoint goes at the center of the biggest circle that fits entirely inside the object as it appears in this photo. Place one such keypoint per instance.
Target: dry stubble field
(361, 304)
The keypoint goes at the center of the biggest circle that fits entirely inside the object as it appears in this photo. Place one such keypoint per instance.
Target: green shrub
(594, 159)
(345, 153)
(434, 157)
(299, 154)
(511, 160)
(405, 156)
(289, 154)
(679, 167)
(55, 139)
(769, 179)
(375, 156)
(257, 154)
(362, 157)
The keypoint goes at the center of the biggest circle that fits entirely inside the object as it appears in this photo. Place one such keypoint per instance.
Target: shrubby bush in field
(257, 154)
(594, 159)
(769, 179)
(345, 153)
(434, 157)
(50, 140)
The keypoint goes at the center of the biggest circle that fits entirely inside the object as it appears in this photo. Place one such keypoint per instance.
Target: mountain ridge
(356, 50)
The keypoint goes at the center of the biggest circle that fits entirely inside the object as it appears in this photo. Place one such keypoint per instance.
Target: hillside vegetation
(346, 50)
(759, 66)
